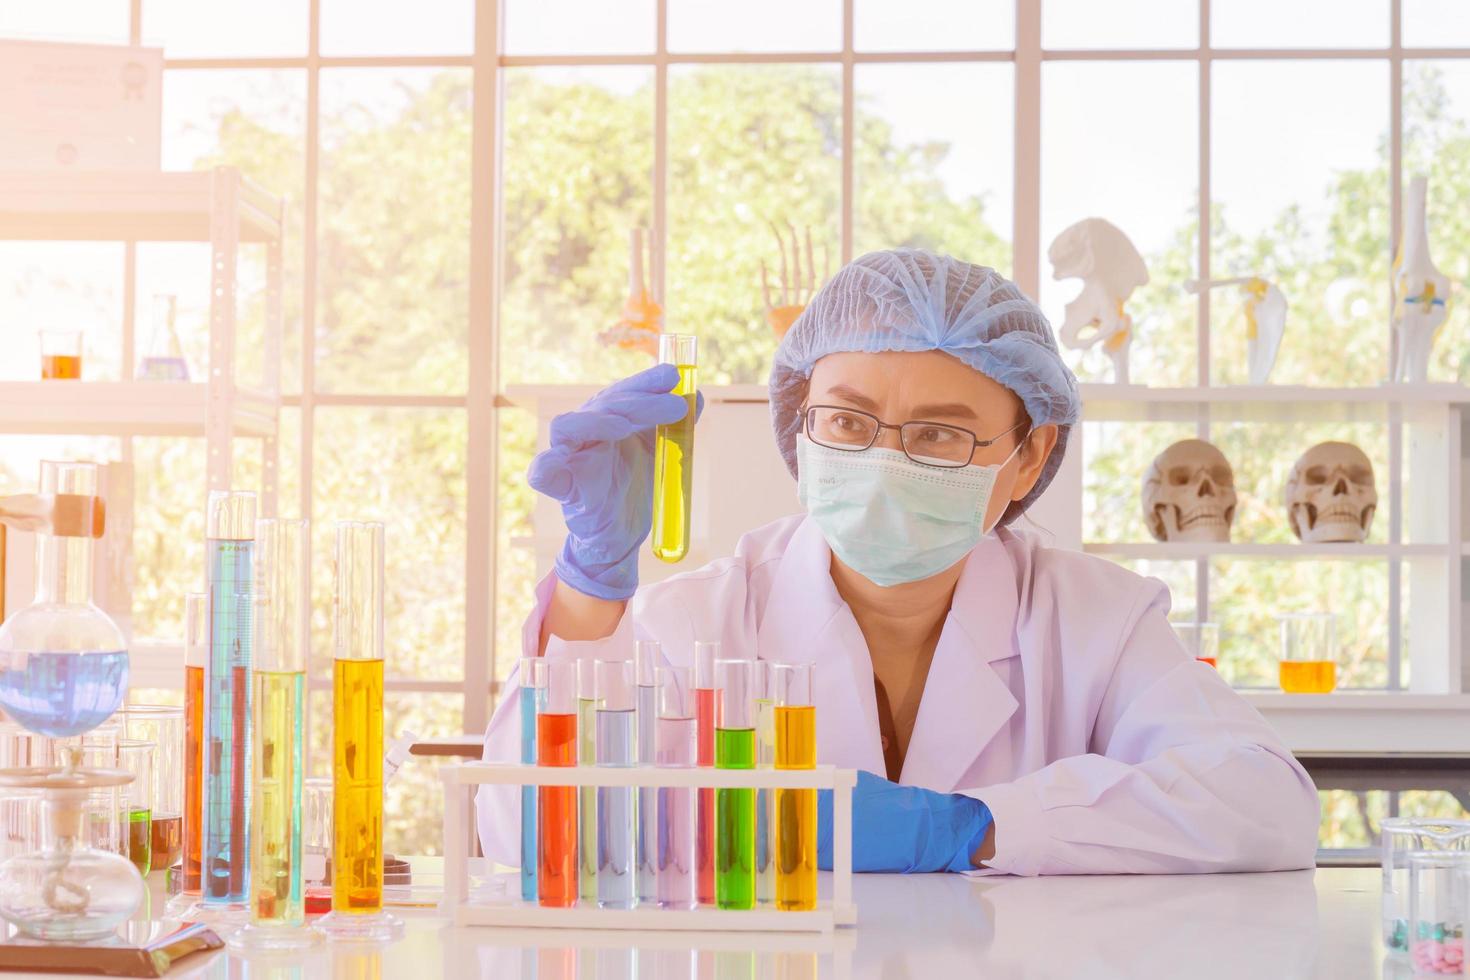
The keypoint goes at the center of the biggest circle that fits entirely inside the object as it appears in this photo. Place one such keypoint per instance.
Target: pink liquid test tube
(676, 747)
(706, 712)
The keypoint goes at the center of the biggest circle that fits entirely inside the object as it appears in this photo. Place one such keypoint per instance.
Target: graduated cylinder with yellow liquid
(673, 455)
(357, 741)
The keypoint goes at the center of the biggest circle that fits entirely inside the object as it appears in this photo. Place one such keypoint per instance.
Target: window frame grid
(483, 397)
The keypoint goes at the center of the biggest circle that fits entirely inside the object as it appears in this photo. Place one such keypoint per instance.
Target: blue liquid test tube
(616, 834)
(230, 571)
(647, 658)
(530, 679)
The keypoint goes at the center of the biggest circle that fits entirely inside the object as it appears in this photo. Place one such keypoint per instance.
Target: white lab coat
(1058, 695)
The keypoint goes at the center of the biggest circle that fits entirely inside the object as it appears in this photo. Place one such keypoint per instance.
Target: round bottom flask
(67, 892)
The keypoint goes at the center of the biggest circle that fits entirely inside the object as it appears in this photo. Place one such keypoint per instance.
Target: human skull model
(1330, 494)
(1189, 493)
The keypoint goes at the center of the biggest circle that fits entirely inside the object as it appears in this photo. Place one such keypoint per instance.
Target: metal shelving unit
(220, 207)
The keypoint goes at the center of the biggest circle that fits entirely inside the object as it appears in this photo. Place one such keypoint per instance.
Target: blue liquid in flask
(64, 694)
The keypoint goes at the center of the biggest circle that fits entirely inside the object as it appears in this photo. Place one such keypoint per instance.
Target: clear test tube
(647, 659)
(357, 741)
(587, 796)
(617, 868)
(556, 806)
(230, 569)
(735, 808)
(706, 713)
(276, 897)
(796, 809)
(765, 758)
(673, 455)
(196, 655)
(528, 682)
(676, 747)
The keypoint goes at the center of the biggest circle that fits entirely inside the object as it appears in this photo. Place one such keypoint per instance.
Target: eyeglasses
(929, 443)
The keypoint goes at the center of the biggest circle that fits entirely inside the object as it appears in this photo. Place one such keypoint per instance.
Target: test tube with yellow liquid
(673, 455)
(796, 809)
(357, 741)
(275, 894)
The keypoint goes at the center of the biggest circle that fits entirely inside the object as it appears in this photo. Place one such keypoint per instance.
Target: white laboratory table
(1298, 924)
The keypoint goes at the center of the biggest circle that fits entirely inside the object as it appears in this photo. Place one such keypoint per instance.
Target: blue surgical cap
(910, 300)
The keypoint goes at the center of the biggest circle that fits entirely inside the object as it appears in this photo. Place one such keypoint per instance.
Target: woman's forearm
(573, 615)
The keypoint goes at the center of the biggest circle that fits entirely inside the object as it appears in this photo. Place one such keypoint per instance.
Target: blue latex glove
(599, 467)
(905, 828)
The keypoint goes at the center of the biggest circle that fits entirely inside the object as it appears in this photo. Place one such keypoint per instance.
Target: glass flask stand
(67, 891)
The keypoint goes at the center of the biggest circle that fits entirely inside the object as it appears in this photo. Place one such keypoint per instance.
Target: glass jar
(1438, 912)
(63, 661)
(67, 891)
(1308, 652)
(1402, 836)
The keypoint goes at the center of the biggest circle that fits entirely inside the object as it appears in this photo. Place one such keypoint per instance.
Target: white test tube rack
(839, 910)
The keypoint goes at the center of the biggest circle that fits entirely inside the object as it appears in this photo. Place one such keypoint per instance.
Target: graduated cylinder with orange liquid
(196, 649)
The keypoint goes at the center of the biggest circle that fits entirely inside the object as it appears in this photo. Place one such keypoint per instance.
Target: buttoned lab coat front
(1058, 695)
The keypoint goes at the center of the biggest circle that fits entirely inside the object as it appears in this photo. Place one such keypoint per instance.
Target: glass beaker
(63, 661)
(1438, 911)
(1400, 837)
(164, 360)
(673, 455)
(163, 725)
(135, 808)
(1308, 652)
(1201, 640)
(67, 891)
(61, 355)
(316, 843)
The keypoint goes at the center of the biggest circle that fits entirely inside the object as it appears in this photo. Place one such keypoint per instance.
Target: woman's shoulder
(1045, 572)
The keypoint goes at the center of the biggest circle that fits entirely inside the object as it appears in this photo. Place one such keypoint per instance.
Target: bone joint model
(1098, 253)
(642, 319)
(1265, 320)
(1189, 493)
(1330, 494)
(796, 286)
(1421, 292)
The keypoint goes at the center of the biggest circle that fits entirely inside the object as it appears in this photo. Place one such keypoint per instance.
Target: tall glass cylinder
(673, 455)
(616, 747)
(587, 797)
(765, 758)
(556, 745)
(277, 909)
(647, 658)
(795, 826)
(230, 573)
(706, 711)
(529, 677)
(676, 747)
(357, 740)
(735, 808)
(196, 655)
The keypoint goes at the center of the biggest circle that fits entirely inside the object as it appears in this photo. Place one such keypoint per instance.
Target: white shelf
(1366, 721)
(1260, 403)
(1187, 550)
(140, 408)
(127, 206)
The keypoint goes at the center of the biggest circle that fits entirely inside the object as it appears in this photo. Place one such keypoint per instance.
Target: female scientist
(1030, 708)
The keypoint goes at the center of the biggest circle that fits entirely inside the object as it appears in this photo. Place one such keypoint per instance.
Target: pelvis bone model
(1265, 320)
(1189, 493)
(1110, 268)
(1421, 292)
(1330, 494)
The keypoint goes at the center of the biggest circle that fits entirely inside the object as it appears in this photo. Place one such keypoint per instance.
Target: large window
(464, 176)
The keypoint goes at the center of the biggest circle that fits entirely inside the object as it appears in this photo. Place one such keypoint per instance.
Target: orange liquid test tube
(556, 746)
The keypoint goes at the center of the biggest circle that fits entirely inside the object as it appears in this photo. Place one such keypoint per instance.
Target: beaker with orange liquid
(1308, 652)
(61, 355)
(1202, 640)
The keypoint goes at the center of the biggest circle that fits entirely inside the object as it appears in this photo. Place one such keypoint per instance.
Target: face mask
(890, 519)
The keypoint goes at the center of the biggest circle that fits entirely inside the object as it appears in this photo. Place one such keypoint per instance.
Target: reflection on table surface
(1298, 924)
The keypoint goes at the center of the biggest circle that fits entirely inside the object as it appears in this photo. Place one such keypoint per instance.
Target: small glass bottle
(63, 661)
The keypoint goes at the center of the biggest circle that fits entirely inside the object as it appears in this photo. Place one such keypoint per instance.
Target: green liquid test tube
(673, 455)
(735, 748)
